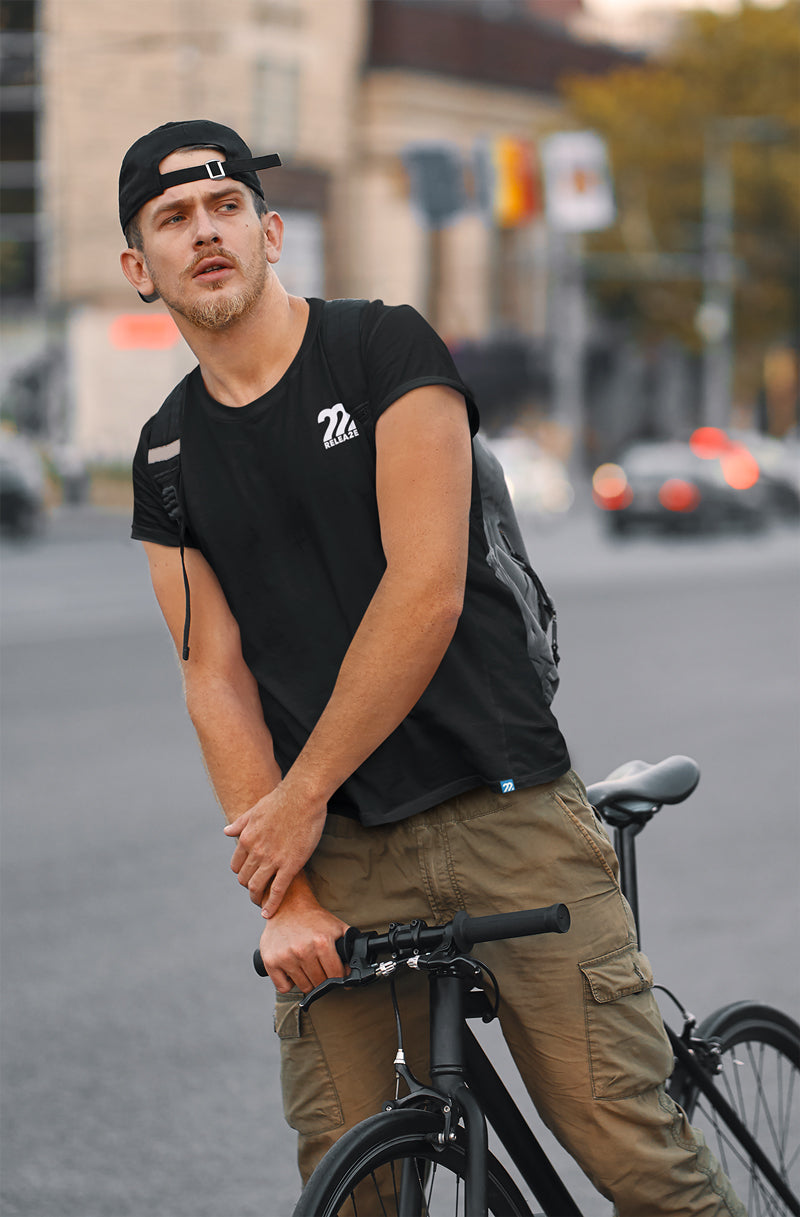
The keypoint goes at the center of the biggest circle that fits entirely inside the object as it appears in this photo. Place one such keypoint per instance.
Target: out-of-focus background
(596, 203)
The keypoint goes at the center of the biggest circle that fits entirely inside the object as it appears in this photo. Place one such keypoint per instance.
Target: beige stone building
(341, 89)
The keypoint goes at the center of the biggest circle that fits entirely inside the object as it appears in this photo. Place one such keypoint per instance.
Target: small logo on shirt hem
(507, 787)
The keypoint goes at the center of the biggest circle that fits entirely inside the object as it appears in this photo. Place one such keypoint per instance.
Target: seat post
(625, 846)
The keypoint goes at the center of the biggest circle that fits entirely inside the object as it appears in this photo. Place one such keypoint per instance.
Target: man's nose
(206, 230)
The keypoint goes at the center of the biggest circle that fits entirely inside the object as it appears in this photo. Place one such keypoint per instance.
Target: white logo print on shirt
(340, 426)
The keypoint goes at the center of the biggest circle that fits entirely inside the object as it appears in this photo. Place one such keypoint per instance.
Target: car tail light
(709, 443)
(678, 495)
(739, 467)
(610, 489)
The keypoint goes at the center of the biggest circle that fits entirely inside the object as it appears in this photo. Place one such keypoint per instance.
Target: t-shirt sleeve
(403, 352)
(150, 519)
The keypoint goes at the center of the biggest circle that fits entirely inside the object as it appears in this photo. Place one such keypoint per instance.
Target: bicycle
(737, 1074)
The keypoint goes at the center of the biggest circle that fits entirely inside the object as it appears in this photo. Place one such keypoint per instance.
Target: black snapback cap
(139, 177)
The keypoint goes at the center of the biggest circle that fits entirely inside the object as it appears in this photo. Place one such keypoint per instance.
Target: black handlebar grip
(468, 930)
(344, 945)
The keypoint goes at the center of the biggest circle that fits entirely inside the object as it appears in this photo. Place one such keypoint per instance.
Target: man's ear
(134, 268)
(273, 229)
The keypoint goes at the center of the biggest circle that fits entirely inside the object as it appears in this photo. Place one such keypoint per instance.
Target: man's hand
(277, 836)
(298, 942)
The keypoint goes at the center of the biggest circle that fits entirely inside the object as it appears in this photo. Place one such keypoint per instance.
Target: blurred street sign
(436, 174)
(578, 192)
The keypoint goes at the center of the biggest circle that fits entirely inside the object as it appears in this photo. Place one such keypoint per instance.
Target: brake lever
(355, 977)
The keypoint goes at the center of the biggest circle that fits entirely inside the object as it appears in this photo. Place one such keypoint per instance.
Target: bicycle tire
(760, 1079)
(387, 1140)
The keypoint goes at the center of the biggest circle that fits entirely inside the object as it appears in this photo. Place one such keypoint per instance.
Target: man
(359, 681)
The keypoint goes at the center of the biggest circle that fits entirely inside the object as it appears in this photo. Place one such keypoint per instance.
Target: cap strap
(218, 169)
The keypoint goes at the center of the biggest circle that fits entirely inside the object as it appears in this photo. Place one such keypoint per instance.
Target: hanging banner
(436, 174)
(507, 181)
(578, 193)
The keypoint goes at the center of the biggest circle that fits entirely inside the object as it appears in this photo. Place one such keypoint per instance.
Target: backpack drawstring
(172, 503)
(187, 618)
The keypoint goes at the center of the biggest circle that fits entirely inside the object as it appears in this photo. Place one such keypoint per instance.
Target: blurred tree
(654, 118)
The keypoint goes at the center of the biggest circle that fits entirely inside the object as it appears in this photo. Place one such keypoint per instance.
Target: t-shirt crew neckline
(198, 385)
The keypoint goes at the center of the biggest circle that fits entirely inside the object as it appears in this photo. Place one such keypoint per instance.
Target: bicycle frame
(462, 1073)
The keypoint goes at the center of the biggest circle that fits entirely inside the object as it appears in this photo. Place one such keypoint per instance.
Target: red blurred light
(709, 443)
(141, 332)
(739, 468)
(678, 495)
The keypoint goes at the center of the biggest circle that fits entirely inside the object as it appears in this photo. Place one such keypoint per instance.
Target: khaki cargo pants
(577, 1010)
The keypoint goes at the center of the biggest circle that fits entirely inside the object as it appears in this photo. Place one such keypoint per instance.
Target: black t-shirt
(280, 499)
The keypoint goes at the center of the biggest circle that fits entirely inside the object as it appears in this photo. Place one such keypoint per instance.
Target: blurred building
(360, 98)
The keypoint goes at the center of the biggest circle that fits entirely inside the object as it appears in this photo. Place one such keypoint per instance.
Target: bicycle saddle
(640, 787)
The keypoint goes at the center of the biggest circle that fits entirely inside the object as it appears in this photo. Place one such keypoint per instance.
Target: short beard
(214, 312)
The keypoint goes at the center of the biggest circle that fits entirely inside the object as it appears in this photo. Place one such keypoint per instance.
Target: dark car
(22, 485)
(779, 466)
(684, 487)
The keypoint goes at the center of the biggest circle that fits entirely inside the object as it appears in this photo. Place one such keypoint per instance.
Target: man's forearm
(234, 739)
(389, 664)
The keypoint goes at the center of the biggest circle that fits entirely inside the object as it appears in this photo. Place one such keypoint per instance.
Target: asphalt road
(139, 1063)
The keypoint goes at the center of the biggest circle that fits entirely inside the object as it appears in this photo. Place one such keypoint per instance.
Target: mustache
(218, 252)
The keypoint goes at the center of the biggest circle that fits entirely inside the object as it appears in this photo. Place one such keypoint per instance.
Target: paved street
(139, 1062)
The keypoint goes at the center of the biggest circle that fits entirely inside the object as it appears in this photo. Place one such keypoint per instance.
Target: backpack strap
(164, 453)
(164, 464)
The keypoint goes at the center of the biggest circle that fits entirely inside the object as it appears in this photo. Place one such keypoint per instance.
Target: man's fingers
(279, 979)
(258, 885)
(236, 826)
(280, 885)
(331, 963)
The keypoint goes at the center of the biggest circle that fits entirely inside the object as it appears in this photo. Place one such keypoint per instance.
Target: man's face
(206, 252)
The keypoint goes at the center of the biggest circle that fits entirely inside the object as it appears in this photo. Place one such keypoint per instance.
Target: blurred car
(536, 480)
(779, 466)
(22, 485)
(710, 483)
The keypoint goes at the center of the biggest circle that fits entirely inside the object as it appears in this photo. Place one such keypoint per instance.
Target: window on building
(275, 105)
(19, 129)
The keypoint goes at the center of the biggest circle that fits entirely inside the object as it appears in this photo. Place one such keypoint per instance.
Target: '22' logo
(341, 426)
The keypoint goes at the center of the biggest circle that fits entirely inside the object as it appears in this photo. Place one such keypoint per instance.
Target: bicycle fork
(447, 1075)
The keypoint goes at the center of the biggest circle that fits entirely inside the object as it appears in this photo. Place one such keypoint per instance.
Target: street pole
(568, 338)
(715, 316)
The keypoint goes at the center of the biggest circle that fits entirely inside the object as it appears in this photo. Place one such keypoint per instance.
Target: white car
(537, 481)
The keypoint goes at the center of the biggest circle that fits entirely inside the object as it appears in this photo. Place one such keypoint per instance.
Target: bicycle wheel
(391, 1166)
(760, 1079)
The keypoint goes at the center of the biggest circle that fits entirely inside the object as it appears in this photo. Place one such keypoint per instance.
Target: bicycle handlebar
(364, 948)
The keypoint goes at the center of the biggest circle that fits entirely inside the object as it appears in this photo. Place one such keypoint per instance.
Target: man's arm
(225, 708)
(424, 480)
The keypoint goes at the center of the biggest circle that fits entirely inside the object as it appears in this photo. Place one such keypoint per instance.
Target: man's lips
(212, 268)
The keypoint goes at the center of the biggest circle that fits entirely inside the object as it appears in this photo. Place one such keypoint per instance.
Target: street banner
(507, 181)
(436, 176)
(578, 192)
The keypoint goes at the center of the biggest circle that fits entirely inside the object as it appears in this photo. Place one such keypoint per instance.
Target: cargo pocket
(628, 1048)
(310, 1102)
